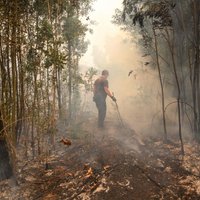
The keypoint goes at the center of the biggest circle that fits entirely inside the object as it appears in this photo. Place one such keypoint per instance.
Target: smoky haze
(138, 95)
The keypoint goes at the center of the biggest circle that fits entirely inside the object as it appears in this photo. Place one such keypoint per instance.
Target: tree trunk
(70, 82)
(5, 167)
(161, 86)
(197, 63)
(171, 48)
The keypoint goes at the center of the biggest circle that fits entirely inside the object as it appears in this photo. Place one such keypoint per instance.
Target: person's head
(105, 73)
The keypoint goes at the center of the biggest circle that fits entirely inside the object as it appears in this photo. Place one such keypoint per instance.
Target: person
(101, 91)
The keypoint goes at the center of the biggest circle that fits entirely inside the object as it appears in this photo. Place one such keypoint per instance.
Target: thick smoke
(135, 94)
(138, 95)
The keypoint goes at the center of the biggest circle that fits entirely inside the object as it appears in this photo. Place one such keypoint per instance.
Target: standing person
(101, 91)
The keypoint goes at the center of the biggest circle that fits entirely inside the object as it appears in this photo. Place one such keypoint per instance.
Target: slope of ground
(109, 164)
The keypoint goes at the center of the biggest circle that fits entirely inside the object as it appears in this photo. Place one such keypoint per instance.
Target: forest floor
(109, 164)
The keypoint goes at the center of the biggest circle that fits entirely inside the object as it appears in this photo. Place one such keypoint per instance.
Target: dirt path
(107, 164)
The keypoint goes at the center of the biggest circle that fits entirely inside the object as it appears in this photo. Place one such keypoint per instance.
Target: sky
(102, 13)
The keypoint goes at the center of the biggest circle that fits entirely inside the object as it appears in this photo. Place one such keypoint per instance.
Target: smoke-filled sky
(113, 49)
(102, 15)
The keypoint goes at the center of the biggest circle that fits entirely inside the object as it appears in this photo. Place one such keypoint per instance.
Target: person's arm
(108, 92)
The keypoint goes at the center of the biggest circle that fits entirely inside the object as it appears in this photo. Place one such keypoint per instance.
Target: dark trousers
(101, 106)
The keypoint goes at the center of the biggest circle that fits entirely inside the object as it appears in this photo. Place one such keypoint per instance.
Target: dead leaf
(66, 142)
(89, 173)
(106, 167)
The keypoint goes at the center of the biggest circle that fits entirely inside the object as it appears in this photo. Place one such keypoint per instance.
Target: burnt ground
(113, 163)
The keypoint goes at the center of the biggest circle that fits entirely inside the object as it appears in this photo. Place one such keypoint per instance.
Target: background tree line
(168, 34)
(41, 43)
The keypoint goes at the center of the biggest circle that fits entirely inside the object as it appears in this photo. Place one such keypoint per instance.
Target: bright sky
(102, 15)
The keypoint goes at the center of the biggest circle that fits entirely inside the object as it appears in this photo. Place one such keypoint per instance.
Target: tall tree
(168, 23)
(33, 61)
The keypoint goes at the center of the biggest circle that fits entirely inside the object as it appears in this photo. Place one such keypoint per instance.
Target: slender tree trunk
(171, 48)
(59, 92)
(197, 61)
(161, 86)
(70, 81)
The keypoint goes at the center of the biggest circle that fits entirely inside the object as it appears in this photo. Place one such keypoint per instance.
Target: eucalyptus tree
(32, 59)
(170, 34)
(146, 18)
(74, 33)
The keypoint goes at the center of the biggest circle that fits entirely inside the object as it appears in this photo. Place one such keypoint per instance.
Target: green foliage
(168, 33)
(158, 11)
(32, 60)
(89, 78)
(35, 36)
(45, 31)
(40, 7)
(50, 8)
(53, 57)
(73, 28)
